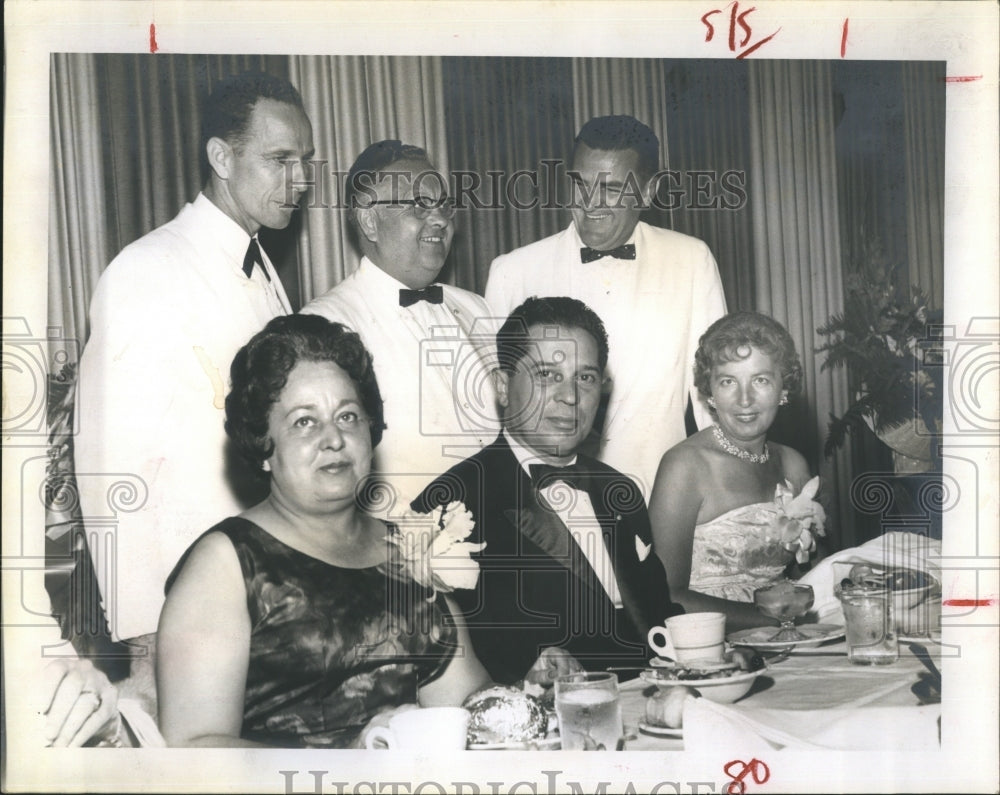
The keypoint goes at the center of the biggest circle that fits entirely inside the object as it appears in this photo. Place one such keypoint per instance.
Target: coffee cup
(430, 729)
(692, 636)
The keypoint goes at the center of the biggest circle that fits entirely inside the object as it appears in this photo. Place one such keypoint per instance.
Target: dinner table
(808, 698)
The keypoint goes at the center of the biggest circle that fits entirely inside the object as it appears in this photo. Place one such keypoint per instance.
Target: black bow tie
(432, 295)
(588, 254)
(252, 258)
(545, 475)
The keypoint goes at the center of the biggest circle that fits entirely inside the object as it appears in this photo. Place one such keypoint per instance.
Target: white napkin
(905, 550)
(142, 725)
(709, 726)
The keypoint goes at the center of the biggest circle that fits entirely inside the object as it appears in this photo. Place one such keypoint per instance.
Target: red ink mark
(736, 18)
(153, 46)
(707, 24)
(843, 39)
(741, 19)
(963, 79)
(759, 44)
(755, 767)
(968, 602)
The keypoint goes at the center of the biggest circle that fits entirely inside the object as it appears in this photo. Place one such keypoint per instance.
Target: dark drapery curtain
(889, 120)
(708, 137)
(890, 168)
(506, 115)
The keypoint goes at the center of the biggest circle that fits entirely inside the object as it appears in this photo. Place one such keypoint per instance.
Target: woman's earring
(783, 401)
(711, 402)
(266, 466)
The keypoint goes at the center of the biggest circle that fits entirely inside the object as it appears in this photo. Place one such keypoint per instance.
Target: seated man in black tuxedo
(567, 562)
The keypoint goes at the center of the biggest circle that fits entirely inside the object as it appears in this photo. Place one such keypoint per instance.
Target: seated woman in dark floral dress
(298, 623)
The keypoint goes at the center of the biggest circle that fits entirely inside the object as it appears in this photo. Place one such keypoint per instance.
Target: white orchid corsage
(799, 519)
(433, 549)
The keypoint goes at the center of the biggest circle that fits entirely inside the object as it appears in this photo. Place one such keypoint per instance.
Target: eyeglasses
(423, 206)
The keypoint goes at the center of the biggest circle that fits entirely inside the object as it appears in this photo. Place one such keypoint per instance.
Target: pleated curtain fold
(799, 280)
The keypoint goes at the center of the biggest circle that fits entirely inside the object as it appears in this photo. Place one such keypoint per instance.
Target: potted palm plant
(890, 342)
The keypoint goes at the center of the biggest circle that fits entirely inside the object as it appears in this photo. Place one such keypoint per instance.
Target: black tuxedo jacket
(536, 588)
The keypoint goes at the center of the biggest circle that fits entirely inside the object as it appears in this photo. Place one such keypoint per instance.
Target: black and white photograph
(463, 388)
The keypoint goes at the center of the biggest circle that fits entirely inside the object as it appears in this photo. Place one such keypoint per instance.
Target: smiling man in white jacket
(433, 344)
(656, 291)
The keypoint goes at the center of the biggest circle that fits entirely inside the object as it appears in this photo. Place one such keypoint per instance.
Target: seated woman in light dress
(297, 624)
(732, 511)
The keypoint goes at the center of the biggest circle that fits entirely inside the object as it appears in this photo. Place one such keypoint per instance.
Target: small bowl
(723, 690)
(911, 597)
(914, 612)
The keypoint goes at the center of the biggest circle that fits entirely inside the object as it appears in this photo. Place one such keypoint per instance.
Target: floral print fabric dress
(330, 647)
(752, 546)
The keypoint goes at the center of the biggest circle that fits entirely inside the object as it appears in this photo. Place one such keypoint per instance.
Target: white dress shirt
(654, 308)
(433, 363)
(579, 517)
(166, 319)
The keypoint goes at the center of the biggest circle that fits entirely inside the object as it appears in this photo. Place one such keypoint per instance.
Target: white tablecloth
(814, 699)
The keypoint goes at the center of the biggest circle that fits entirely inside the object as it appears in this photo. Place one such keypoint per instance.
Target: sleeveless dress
(738, 552)
(330, 647)
(743, 549)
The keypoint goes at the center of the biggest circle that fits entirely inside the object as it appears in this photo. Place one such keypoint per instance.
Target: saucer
(660, 731)
(759, 637)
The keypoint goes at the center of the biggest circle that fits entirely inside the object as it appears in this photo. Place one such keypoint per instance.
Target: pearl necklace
(739, 452)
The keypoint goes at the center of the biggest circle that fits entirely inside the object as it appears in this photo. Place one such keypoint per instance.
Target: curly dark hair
(227, 110)
(620, 133)
(512, 338)
(727, 335)
(260, 371)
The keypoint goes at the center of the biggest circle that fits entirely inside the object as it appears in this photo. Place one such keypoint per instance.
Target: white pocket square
(642, 550)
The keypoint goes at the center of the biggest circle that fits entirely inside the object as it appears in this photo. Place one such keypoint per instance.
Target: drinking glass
(590, 715)
(784, 601)
(871, 632)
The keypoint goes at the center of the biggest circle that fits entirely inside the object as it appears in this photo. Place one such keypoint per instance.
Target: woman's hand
(79, 704)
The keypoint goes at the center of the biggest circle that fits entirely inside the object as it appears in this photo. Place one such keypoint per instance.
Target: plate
(721, 689)
(758, 637)
(660, 731)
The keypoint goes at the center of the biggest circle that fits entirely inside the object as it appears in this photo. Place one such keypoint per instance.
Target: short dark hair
(260, 371)
(513, 342)
(619, 133)
(228, 108)
(377, 157)
(724, 339)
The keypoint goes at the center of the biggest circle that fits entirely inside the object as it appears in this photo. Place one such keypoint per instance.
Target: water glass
(871, 631)
(590, 715)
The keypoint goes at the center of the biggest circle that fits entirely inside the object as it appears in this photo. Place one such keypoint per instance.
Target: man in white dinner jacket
(166, 319)
(433, 345)
(656, 291)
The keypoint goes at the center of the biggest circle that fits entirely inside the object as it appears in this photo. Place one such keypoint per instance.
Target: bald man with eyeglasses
(433, 344)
